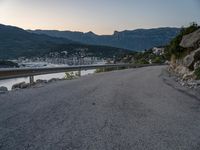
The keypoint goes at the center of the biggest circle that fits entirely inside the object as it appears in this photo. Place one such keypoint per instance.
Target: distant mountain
(137, 40)
(16, 42)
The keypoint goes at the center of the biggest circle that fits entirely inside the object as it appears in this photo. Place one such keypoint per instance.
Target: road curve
(135, 109)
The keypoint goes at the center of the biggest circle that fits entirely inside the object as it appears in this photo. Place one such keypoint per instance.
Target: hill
(137, 40)
(16, 42)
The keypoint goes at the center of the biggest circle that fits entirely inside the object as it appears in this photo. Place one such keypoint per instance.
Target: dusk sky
(99, 16)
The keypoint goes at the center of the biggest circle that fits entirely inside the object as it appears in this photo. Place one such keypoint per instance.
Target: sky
(99, 16)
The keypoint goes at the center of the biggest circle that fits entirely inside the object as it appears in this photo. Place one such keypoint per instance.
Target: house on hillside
(158, 51)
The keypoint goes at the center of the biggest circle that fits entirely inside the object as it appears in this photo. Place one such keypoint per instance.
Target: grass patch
(70, 75)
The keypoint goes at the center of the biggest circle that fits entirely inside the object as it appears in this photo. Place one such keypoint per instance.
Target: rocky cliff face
(192, 43)
(191, 40)
(187, 67)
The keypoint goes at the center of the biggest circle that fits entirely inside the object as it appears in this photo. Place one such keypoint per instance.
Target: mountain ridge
(137, 40)
(125, 30)
(16, 42)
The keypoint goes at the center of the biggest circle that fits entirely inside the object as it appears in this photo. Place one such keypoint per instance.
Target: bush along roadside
(197, 73)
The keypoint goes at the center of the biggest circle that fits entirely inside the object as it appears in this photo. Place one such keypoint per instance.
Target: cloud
(2, 2)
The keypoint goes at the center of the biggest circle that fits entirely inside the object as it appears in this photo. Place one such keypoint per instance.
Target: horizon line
(60, 30)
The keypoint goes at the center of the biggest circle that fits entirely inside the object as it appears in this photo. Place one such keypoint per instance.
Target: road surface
(136, 109)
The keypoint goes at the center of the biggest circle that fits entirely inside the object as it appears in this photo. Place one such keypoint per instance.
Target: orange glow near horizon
(100, 17)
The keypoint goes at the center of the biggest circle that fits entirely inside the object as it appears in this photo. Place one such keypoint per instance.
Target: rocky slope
(188, 68)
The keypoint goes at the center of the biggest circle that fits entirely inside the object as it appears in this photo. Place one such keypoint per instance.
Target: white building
(158, 51)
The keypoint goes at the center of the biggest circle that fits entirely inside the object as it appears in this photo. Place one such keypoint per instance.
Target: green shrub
(70, 75)
(142, 61)
(197, 73)
(157, 60)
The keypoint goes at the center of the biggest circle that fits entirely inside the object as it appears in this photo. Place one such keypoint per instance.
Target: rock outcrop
(3, 89)
(191, 40)
(191, 59)
(197, 65)
(21, 85)
(54, 80)
(192, 43)
(188, 61)
(39, 81)
(185, 68)
(197, 55)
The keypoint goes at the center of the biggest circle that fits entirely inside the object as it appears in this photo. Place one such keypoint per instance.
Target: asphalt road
(136, 109)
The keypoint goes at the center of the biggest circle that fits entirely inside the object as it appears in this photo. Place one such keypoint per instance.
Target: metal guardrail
(31, 72)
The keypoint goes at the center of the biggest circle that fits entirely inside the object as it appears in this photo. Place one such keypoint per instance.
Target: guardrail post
(79, 72)
(31, 79)
(104, 69)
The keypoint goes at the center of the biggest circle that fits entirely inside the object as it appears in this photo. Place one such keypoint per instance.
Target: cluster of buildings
(158, 51)
(62, 61)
